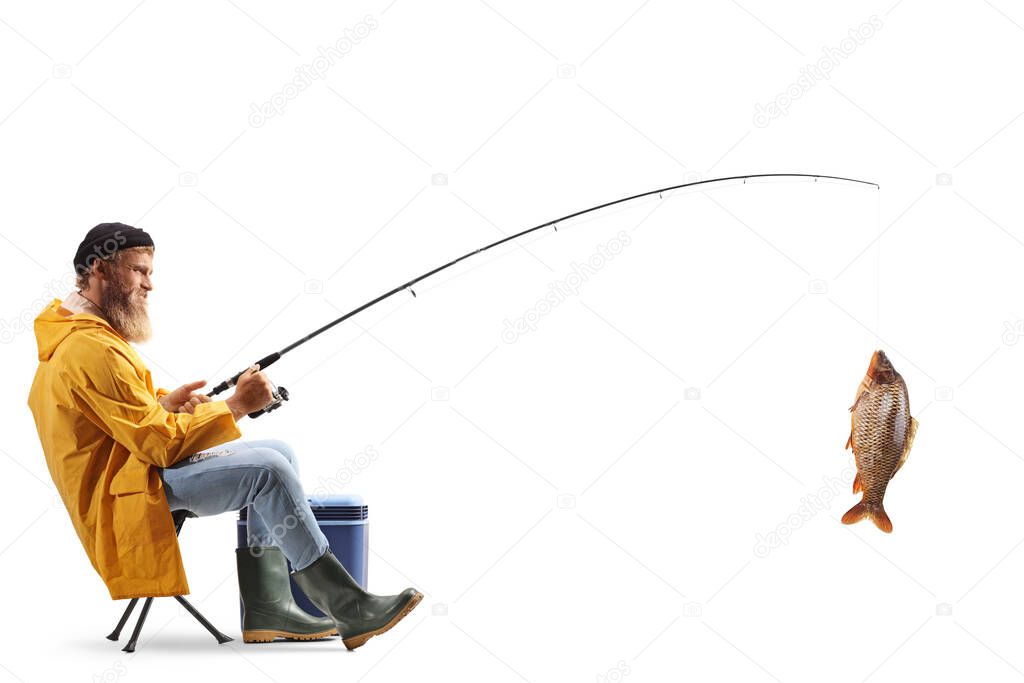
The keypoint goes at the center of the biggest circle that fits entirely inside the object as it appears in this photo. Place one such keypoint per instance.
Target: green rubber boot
(358, 615)
(269, 610)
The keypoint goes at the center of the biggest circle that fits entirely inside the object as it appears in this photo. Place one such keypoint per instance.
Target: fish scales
(882, 418)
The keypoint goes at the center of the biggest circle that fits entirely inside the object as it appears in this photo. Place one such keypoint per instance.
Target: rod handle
(228, 383)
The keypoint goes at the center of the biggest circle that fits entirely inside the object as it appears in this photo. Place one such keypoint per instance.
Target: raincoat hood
(106, 438)
(52, 327)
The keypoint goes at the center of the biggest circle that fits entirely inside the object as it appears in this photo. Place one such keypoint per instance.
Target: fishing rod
(280, 394)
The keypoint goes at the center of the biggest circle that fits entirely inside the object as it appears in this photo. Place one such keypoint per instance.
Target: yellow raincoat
(104, 435)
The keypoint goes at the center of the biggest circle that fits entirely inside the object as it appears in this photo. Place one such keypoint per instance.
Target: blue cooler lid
(336, 500)
(340, 507)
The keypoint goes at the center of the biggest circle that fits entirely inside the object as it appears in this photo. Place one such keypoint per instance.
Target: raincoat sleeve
(108, 389)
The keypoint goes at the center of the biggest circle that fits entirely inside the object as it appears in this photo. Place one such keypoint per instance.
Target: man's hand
(253, 391)
(184, 399)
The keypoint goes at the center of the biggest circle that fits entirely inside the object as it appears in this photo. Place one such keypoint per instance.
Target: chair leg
(179, 519)
(116, 633)
(221, 638)
(130, 647)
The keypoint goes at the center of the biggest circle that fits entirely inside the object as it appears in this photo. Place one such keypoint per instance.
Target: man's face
(135, 272)
(124, 296)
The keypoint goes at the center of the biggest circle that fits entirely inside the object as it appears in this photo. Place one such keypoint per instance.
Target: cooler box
(343, 520)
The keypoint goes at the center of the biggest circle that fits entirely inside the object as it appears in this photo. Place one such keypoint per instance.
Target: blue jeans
(262, 474)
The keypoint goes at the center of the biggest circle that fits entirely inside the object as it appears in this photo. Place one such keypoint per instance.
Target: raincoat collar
(77, 303)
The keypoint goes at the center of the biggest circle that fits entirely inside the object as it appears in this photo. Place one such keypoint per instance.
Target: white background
(595, 500)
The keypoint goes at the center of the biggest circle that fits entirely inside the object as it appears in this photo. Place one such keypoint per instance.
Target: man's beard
(125, 310)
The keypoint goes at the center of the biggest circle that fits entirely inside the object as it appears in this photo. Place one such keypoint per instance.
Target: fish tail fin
(875, 512)
(881, 519)
(855, 514)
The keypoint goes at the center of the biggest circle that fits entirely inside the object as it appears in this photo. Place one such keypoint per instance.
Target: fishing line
(280, 394)
(878, 269)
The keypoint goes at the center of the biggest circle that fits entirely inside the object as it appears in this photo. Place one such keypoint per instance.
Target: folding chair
(179, 519)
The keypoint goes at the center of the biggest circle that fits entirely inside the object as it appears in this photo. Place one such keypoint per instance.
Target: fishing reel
(280, 395)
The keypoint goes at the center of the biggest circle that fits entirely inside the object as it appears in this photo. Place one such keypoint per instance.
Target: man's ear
(99, 274)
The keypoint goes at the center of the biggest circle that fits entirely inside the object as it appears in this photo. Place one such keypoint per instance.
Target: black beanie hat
(104, 240)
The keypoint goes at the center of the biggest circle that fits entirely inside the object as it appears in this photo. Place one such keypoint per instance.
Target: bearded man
(123, 455)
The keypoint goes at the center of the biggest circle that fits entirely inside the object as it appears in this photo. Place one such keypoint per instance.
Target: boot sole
(266, 636)
(357, 641)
